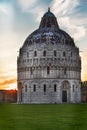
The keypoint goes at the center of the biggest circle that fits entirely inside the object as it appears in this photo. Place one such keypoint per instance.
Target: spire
(48, 9)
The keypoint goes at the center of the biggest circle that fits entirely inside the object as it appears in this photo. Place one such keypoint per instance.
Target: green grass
(43, 117)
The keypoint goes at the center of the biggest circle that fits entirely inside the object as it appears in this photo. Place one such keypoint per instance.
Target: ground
(43, 117)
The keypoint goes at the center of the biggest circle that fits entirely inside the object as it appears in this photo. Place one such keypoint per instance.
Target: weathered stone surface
(49, 66)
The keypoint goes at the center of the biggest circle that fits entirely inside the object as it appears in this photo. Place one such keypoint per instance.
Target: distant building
(8, 96)
(84, 91)
(49, 65)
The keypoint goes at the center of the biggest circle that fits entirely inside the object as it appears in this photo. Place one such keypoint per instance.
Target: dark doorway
(64, 96)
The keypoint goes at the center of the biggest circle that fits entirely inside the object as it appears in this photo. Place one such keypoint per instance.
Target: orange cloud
(6, 83)
(84, 65)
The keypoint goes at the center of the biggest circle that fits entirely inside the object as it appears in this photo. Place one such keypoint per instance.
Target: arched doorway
(65, 91)
(64, 96)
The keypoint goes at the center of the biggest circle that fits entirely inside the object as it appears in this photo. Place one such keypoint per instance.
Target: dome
(49, 20)
(49, 28)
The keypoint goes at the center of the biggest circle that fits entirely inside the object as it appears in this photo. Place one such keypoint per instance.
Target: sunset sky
(19, 18)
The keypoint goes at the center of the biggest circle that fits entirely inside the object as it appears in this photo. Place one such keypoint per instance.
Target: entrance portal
(65, 91)
(64, 96)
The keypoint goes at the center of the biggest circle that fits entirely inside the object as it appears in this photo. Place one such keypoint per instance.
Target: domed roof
(49, 29)
(49, 20)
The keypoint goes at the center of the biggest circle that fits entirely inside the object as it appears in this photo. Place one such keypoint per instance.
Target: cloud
(8, 51)
(7, 82)
(8, 78)
(6, 18)
(38, 12)
(69, 16)
(77, 31)
(84, 65)
(6, 9)
(66, 11)
(35, 7)
(26, 4)
(64, 7)
(74, 22)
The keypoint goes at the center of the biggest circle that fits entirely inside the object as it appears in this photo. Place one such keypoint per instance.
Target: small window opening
(55, 53)
(55, 87)
(35, 53)
(34, 88)
(48, 70)
(64, 54)
(44, 53)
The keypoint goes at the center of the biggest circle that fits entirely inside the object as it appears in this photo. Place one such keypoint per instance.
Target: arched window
(34, 88)
(27, 54)
(25, 88)
(44, 53)
(55, 87)
(48, 70)
(35, 53)
(63, 41)
(71, 54)
(55, 53)
(64, 54)
(44, 87)
(31, 71)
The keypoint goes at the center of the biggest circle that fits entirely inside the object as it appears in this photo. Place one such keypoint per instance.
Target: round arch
(65, 90)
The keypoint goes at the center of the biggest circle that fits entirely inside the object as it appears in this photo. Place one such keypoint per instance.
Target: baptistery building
(49, 65)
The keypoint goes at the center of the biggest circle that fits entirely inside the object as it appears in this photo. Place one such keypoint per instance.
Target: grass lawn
(43, 117)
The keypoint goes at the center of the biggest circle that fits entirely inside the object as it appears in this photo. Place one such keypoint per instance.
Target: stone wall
(29, 95)
(8, 96)
(84, 91)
